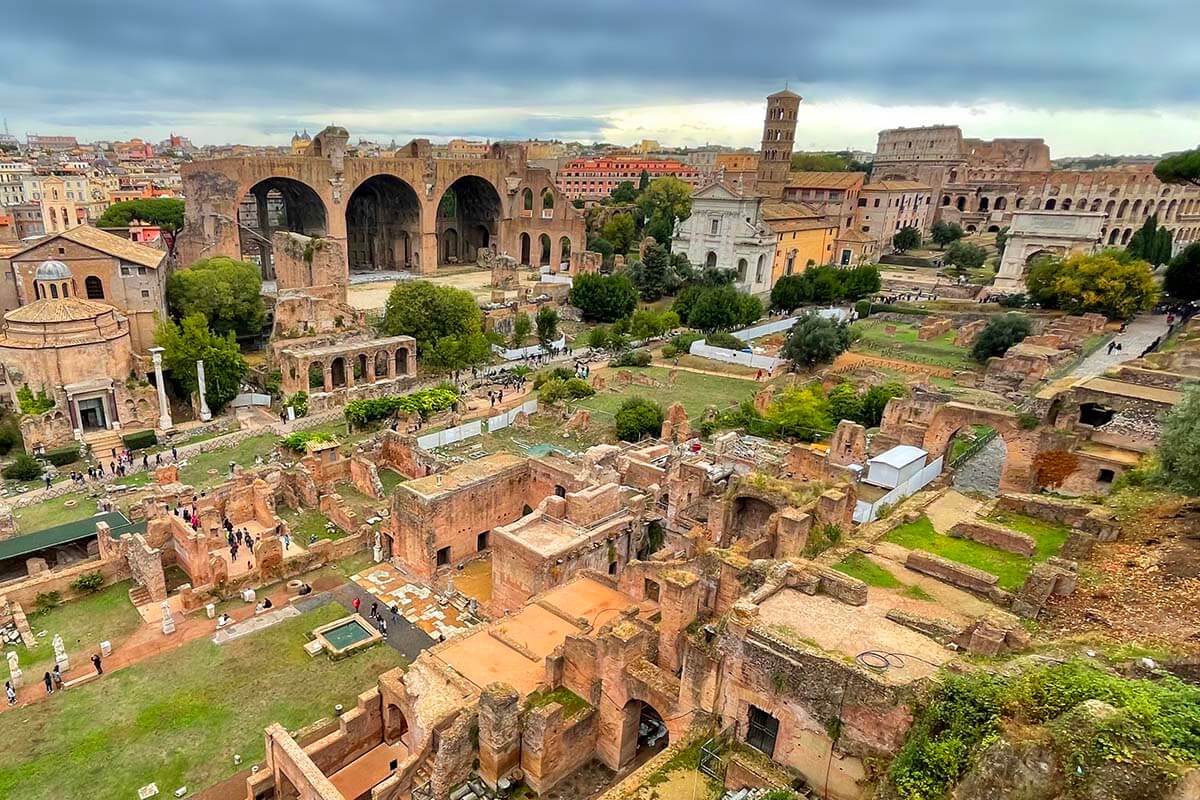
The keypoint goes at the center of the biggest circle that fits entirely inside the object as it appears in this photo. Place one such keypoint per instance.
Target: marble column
(205, 414)
(164, 410)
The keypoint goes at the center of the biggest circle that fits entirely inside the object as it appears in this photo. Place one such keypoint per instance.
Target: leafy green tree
(1182, 279)
(547, 324)
(578, 202)
(858, 282)
(598, 338)
(845, 403)
(603, 298)
(1001, 333)
(826, 162)
(647, 323)
(875, 400)
(1151, 243)
(965, 256)
(664, 201)
(815, 339)
(23, 468)
(521, 328)
(802, 412)
(749, 310)
(1179, 446)
(227, 292)
(1109, 283)
(602, 246)
(790, 292)
(907, 238)
(446, 322)
(643, 181)
(943, 233)
(1181, 168)
(653, 275)
(638, 418)
(625, 192)
(165, 212)
(621, 231)
(191, 341)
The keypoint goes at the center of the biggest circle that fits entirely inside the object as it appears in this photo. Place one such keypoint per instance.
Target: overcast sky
(1087, 75)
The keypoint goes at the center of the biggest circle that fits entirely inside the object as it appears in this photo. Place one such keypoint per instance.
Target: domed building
(80, 353)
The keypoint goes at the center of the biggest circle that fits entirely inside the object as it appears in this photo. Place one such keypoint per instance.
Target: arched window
(1050, 204)
(758, 270)
(527, 199)
(741, 269)
(961, 205)
(983, 204)
(1066, 204)
(1001, 203)
(547, 199)
(564, 250)
(945, 199)
(710, 260)
(93, 287)
(54, 290)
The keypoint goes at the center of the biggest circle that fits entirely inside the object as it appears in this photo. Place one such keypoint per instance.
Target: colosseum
(406, 211)
(979, 184)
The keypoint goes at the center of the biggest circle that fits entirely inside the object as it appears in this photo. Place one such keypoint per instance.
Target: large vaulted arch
(383, 225)
(468, 218)
(277, 204)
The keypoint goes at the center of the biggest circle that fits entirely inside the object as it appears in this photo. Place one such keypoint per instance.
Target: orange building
(804, 237)
(595, 178)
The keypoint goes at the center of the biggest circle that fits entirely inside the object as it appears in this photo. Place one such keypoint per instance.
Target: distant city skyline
(223, 72)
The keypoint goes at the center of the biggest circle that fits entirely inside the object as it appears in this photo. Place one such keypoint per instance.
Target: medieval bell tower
(779, 131)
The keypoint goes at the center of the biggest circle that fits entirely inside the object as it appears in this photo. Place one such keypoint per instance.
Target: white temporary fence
(786, 323)
(468, 430)
(699, 348)
(515, 354)
(866, 512)
(250, 399)
(504, 420)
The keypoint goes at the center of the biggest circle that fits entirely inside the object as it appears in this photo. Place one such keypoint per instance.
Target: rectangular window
(716, 225)
(1106, 476)
(481, 541)
(443, 556)
(650, 589)
(762, 731)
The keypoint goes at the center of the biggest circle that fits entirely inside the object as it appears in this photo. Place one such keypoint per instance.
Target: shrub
(140, 440)
(33, 404)
(1018, 300)
(863, 309)
(88, 582)
(682, 342)
(299, 404)
(425, 402)
(299, 440)
(561, 373)
(638, 418)
(578, 387)
(556, 390)
(62, 456)
(10, 434)
(1000, 334)
(24, 468)
(603, 298)
(724, 340)
(47, 600)
(669, 351)
(632, 358)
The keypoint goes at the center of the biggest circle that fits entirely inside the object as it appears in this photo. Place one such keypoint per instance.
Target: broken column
(205, 414)
(679, 605)
(499, 732)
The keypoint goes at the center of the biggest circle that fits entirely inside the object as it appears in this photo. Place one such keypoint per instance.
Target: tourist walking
(49, 683)
(10, 692)
(357, 604)
(174, 453)
(96, 663)
(56, 676)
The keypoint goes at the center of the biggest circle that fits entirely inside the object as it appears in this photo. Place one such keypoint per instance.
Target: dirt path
(715, 373)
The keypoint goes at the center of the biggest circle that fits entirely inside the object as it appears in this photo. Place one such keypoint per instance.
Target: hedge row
(425, 402)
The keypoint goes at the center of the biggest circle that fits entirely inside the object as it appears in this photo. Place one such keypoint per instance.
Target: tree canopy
(662, 202)
(1180, 168)
(1182, 279)
(943, 233)
(1110, 283)
(547, 324)
(638, 418)
(716, 308)
(191, 341)
(1179, 446)
(802, 412)
(625, 192)
(965, 255)
(841, 161)
(446, 322)
(603, 298)
(165, 212)
(1001, 333)
(227, 292)
(815, 339)
(620, 231)
(653, 275)
(907, 238)
(825, 284)
(1151, 243)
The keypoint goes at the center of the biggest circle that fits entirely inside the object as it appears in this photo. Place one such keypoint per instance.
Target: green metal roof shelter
(67, 533)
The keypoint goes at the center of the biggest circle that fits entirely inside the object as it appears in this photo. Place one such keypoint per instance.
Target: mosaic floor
(417, 604)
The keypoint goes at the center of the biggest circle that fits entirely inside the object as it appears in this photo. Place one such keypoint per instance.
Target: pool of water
(346, 634)
(538, 450)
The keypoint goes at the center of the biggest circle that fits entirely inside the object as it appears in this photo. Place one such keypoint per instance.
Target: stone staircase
(139, 595)
(103, 442)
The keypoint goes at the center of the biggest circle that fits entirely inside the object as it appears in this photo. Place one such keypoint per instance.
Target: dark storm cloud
(77, 62)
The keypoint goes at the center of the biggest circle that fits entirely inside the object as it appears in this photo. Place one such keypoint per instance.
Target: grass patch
(1048, 537)
(857, 565)
(49, 513)
(571, 703)
(390, 479)
(696, 391)
(354, 563)
(83, 624)
(178, 719)
(243, 453)
(308, 524)
(1009, 568)
(903, 345)
(917, 593)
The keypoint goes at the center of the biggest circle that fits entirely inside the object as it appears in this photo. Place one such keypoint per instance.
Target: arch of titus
(407, 210)
(1035, 234)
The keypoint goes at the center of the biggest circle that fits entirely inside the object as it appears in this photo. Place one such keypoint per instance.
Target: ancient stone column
(205, 414)
(164, 410)
(499, 732)
(328, 378)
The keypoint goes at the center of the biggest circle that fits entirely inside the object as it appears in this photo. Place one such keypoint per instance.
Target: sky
(1089, 76)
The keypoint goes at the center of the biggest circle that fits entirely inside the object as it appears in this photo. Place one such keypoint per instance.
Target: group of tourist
(376, 617)
(241, 537)
(52, 679)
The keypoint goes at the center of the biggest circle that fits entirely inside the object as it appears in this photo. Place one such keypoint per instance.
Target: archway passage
(277, 204)
(750, 516)
(383, 225)
(468, 218)
(644, 733)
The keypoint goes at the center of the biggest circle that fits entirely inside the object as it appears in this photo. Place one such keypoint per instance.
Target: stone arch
(337, 372)
(1021, 445)
(449, 239)
(1050, 204)
(527, 200)
(1001, 203)
(470, 206)
(1020, 202)
(316, 375)
(564, 251)
(1109, 207)
(961, 203)
(395, 724)
(402, 361)
(993, 229)
(1066, 204)
(760, 268)
(1096, 204)
(742, 267)
(381, 364)
(362, 366)
(1122, 209)
(383, 220)
(544, 250)
(525, 247)
(945, 200)
(710, 260)
(1125, 237)
(547, 201)
(277, 204)
(93, 288)
(638, 716)
(971, 229)
(1113, 235)
(983, 204)
(1135, 208)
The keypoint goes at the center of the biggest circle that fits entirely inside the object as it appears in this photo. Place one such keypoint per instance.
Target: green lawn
(178, 719)
(49, 513)
(1048, 536)
(964, 439)
(857, 565)
(244, 453)
(83, 624)
(905, 346)
(1010, 568)
(308, 523)
(695, 390)
(390, 480)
